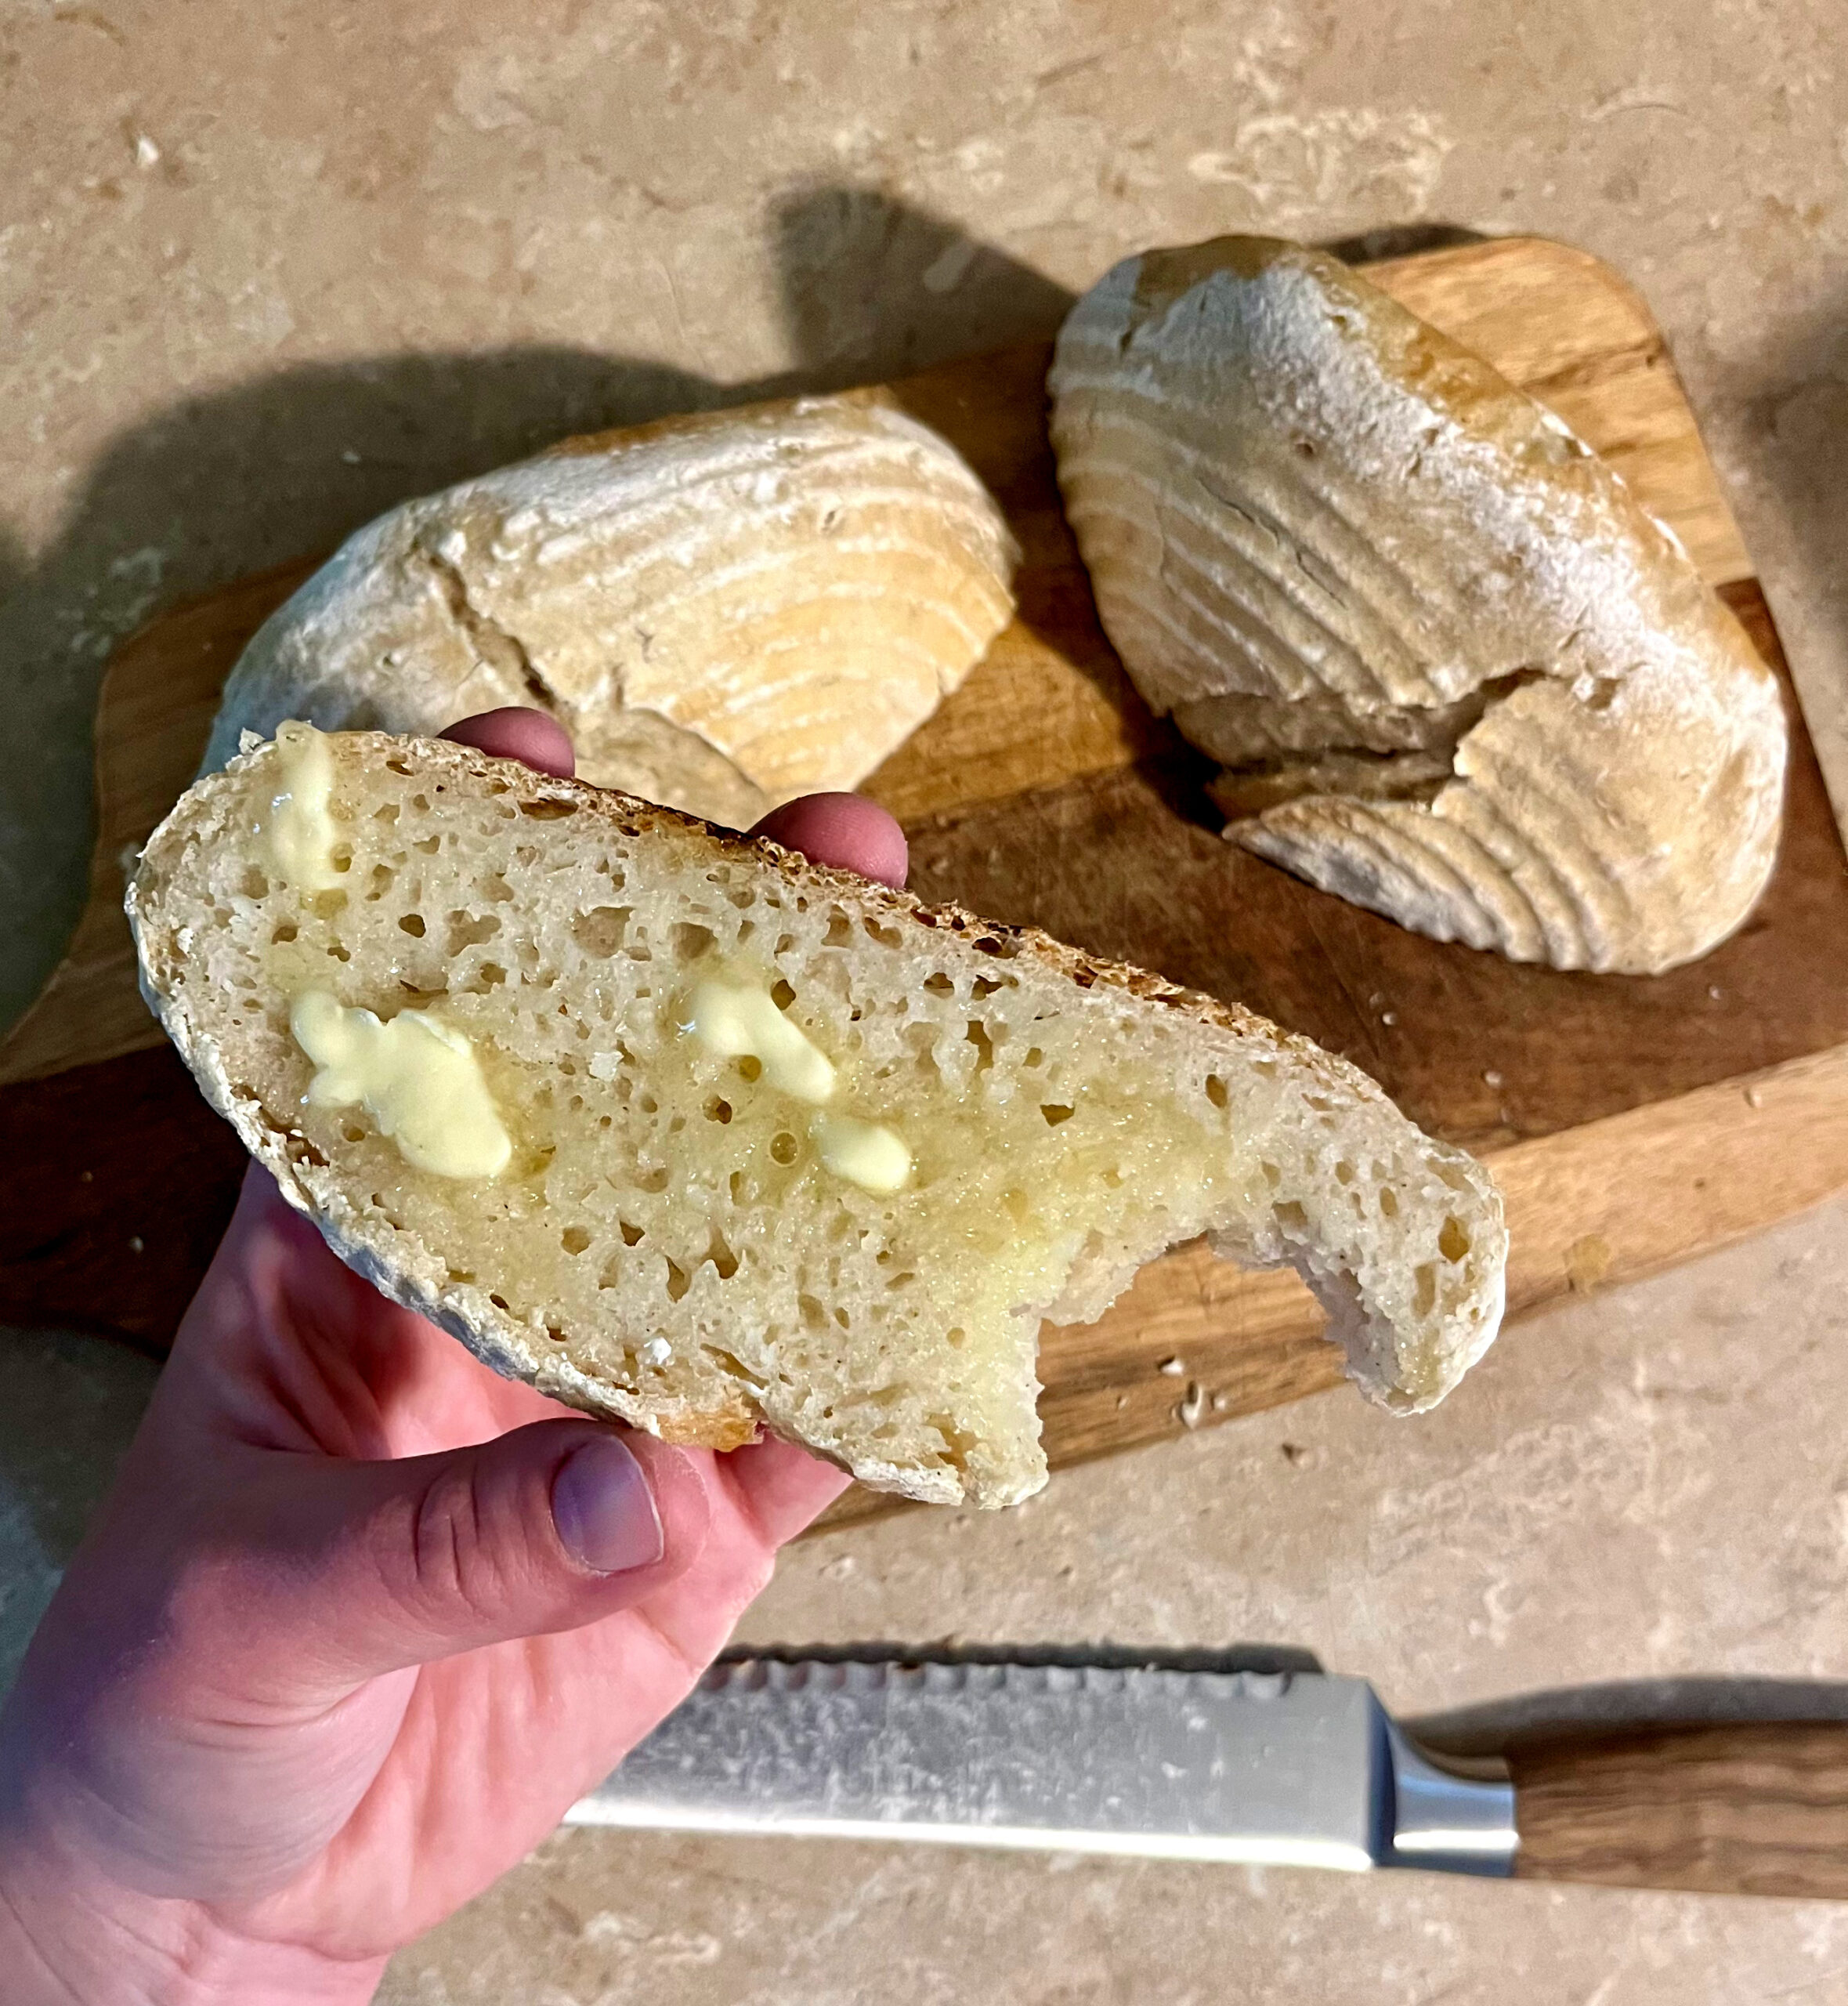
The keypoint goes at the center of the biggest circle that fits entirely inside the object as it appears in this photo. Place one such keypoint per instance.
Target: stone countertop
(266, 270)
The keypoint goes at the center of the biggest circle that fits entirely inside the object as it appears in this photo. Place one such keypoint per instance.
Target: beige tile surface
(264, 270)
(1639, 1487)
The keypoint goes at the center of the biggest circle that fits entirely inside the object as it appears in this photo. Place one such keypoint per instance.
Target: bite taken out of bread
(725, 610)
(1454, 671)
(688, 1131)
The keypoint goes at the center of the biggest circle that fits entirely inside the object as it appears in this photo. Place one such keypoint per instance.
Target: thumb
(383, 1565)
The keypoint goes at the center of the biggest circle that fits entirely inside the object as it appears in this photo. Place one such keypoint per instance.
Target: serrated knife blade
(1260, 1765)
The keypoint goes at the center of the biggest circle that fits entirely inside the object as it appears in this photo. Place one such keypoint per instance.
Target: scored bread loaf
(776, 1144)
(1457, 673)
(725, 610)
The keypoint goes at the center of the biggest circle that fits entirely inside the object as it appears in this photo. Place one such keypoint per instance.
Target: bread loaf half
(725, 610)
(686, 1131)
(1456, 672)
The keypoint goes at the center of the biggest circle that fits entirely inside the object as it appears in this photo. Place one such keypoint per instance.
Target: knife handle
(1757, 1808)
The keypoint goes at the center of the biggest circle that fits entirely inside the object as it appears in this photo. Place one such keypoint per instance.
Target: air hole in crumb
(427, 846)
(1216, 1089)
(677, 1284)
(413, 924)
(1273, 1176)
(691, 941)
(1424, 1298)
(781, 994)
(1291, 1216)
(499, 1302)
(976, 1035)
(283, 935)
(631, 1234)
(352, 1133)
(255, 884)
(811, 1311)
(841, 1317)
(887, 937)
(397, 766)
(466, 930)
(1054, 1114)
(600, 931)
(956, 1337)
(1389, 1202)
(782, 1148)
(985, 986)
(719, 1253)
(750, 1067)
(735, 1184)
(718, 1110)
(1453, 1241)
(653, 1182)
(548, 811)
(840, 929)
(1343, 1172)
(939, 984)
(1035, 1057)
(574, 1239)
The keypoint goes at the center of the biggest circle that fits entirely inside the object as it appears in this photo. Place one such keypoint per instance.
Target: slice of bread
(1458, 675)
(725, 610)
(845, 1223)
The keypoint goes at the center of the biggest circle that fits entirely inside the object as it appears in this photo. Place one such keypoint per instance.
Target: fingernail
(604, 1510)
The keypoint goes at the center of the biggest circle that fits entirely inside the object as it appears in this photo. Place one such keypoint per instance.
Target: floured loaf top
(1456, 672)
(721, 1138)
(725, 610)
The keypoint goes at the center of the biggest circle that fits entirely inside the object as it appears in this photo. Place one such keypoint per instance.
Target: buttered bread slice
(685, 1131)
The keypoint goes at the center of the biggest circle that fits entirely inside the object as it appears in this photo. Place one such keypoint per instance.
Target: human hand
(360, 1619)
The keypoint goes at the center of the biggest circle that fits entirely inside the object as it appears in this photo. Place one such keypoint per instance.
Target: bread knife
(1259, 1758)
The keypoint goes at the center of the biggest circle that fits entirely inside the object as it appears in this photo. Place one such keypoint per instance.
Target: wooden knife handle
(1757, 1808)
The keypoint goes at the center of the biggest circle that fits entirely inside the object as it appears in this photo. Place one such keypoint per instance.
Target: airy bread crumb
(665, 1245)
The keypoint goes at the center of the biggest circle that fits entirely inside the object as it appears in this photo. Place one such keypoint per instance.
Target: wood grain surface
(1633, 1122)
(1757, 1808)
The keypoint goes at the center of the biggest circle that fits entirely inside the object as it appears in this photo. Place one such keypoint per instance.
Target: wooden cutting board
(1632, 1122)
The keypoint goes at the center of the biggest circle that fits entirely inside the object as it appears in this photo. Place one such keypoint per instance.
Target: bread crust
(1290, 492)
(724, 609)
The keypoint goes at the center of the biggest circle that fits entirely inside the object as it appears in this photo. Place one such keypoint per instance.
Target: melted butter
(737, 1018)
(740, 1022)
(300, 827)
(419, 1080)
(865, 1153)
